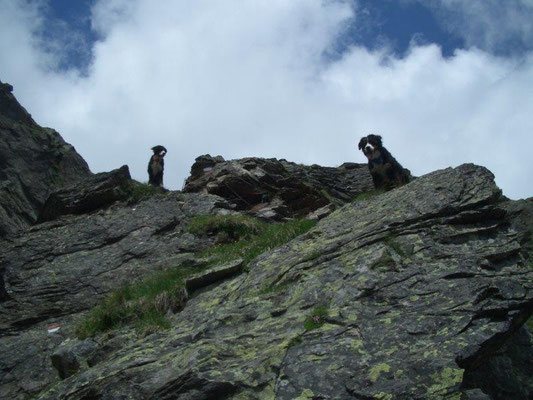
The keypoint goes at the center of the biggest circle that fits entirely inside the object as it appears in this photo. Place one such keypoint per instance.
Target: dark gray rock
(71, 356)
(93, 193)
(506, 371)
(213, 275)
(64, 267)
(276, 189)
(34, 162)
(475, 394)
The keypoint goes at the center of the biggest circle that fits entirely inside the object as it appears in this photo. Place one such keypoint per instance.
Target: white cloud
(248, 78)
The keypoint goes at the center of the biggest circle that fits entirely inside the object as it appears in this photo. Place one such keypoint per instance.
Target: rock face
(275, 189)
(423, 292)
(97, 191)
(34, 161)
(60, 268)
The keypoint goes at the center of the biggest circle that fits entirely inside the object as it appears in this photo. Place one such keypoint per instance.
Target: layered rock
(423, 292)
(34, 161)
(276, 189)
(98, 191)
(60, 268)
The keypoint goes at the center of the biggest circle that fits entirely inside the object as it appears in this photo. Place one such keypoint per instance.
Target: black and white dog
(386, 172)
(156, 165)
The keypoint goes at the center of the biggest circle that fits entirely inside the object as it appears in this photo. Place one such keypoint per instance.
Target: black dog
(156, 165)
(386, 172)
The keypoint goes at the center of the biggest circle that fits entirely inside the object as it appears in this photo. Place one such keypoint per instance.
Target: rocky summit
(421, 292)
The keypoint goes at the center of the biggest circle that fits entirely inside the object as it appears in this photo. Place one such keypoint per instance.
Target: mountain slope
(417, 293)
(34, 161)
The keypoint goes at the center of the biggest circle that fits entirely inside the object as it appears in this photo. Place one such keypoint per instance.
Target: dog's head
(159, 150)
(371, 146)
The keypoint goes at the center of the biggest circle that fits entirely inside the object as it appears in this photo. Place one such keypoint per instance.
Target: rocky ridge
(34, 162)
(417, 293)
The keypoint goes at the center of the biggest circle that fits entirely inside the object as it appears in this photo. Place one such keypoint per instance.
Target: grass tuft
(143, 304)
(389, 241)
(317, 318)
(295, 341)
(141, 191)
(368, 195)
(260, 237)
(225, 227)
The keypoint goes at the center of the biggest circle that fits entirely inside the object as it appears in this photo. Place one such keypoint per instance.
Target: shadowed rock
(213, 275)
(98, 191)
(277, 189)
(34, 162)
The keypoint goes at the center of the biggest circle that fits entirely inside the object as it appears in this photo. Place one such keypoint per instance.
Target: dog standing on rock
(387, 173)
(156, 165)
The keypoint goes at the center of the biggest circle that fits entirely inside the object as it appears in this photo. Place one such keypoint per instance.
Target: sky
(444, 82)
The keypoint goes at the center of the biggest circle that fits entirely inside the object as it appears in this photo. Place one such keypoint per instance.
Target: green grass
(141, 191)
(384, 264)
(225, 227)
(295, 341)
(262, 237)
(317, 318)
(330, 198)
(143, 304)
(368, 195)
(389, 241)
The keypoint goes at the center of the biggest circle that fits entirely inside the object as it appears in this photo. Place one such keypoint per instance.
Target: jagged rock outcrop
(276, 189)
(34, 161)
(98, 191)
(423, 292)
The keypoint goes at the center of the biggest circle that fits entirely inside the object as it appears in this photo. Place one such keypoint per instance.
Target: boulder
(277, 189)
(65, 266)
(93, 193)
(61, 268)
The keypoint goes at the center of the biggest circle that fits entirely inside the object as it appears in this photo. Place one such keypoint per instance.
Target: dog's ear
(380, 140)
(362, 143)
(158, 149)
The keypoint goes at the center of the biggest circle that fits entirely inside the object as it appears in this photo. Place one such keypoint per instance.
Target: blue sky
(443, 81)
(380, 22)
